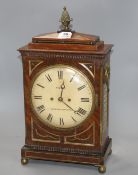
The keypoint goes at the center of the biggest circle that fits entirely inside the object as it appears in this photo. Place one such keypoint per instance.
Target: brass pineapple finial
(65, 21)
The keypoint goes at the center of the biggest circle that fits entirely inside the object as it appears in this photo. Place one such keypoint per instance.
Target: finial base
(72, 31)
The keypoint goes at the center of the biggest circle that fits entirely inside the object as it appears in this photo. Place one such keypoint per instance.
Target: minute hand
(71, 108)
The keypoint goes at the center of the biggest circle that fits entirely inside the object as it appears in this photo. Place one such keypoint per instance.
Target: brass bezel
(87, 80)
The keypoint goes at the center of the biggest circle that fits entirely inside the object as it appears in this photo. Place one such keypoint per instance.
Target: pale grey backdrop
(116, 21)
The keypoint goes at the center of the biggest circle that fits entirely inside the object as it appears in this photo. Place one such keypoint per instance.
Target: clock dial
(62, 96)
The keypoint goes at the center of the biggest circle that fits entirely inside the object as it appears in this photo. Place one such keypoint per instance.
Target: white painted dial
(62, 96)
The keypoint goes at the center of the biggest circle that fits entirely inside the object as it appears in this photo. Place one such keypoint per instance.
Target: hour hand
(62, 88)
(63, 85)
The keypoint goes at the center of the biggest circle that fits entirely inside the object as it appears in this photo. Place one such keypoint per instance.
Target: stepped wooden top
(78, 42)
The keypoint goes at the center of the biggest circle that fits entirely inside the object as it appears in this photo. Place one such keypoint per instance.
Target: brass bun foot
(102, 169)
(24, 161)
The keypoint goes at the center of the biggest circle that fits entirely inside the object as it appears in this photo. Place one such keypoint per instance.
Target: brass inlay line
(42, 140)
(30, 68)
(50, 136)
(85, 144)
(88, 69)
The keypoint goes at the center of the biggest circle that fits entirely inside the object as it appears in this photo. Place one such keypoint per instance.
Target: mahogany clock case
(89, 143)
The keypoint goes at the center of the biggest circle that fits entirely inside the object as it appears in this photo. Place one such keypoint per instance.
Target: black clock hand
(68, 106)
(76, 112)
(62, 88)
(61, 99)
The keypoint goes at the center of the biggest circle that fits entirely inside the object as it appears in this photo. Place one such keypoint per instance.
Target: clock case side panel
(104, 110)
(26, 82)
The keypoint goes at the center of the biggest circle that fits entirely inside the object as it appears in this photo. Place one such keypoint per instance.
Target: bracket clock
(66, 93)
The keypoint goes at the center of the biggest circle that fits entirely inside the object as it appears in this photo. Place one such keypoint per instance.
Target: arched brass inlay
(54, 137)
(76, 137)
(33, 64)
(90, 68)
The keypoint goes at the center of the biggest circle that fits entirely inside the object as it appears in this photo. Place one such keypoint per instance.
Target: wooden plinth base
(97, 160)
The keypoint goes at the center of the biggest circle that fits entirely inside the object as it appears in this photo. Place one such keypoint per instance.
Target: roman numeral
(48, 78)
(82, 87)
(61, 121)
(38, 97)
(40, 86)
(41, 108)
(84, 99)
(60, 74)
(74, 120)
(50, 117)
(81, 111)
